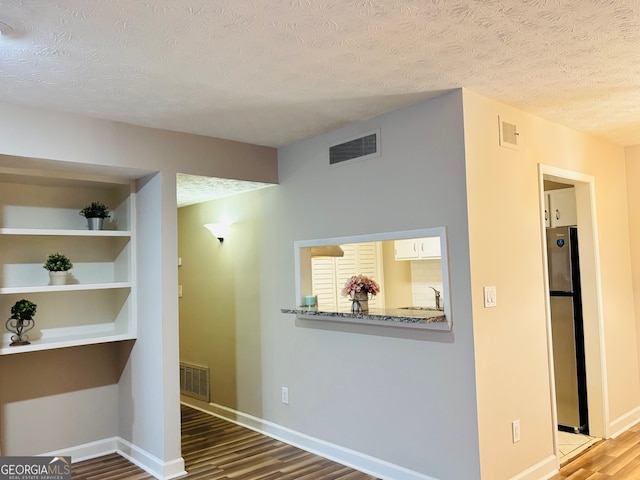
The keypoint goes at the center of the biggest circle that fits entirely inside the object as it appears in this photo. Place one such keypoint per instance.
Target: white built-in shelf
(64, 232)
(39, 215)
(68, 337)
(64, 288)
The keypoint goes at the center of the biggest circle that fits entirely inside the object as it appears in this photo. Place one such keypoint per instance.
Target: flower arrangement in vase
(358, 288)
(21, 321)
(58, 266)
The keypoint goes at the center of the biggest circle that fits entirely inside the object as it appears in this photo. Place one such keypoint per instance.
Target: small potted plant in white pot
(95, 213)
(21, 321)
(58, 266)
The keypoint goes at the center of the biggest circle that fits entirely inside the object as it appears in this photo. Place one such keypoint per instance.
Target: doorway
(594, 419)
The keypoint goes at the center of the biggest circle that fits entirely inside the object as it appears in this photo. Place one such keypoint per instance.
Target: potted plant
(95, 213)
(21, 321)
(58, 266)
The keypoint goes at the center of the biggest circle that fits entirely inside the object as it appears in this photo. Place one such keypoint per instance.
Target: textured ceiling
(196, 189)
(272, 72)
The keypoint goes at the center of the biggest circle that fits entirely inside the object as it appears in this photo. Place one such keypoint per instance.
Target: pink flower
(360, 283)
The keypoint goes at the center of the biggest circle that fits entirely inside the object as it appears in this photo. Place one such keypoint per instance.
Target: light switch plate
(515, 431)
(490, 299)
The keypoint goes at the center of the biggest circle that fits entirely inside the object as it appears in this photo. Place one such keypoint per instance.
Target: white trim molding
(542, 470)
(624, 422)
(143, 459)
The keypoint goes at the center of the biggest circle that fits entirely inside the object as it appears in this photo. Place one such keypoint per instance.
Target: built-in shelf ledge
(64, 288)
(402, 318)
(64, 232)
(65, 337)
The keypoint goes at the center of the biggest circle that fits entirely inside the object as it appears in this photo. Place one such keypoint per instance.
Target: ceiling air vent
(508, 134)
(359, 148)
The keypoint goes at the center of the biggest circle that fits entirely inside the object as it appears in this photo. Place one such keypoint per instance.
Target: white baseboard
(150, 463)
(350, 458)
(143, 459)
(542, 470)
(87, 451)
(624, 422)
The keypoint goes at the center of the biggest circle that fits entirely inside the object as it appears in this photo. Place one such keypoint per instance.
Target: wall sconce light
(218, 230)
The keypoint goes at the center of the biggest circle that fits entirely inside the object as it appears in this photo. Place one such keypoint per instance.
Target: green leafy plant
(95, 210)
(23, 310)
(57, 262)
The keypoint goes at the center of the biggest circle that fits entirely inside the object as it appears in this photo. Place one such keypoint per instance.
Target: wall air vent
(194, 381)
(508, 134)
(359, 148)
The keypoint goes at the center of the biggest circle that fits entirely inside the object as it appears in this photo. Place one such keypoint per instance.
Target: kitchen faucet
(437, 292)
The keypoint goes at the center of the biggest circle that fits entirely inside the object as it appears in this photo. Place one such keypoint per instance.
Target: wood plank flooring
(215, 449)
(219, 450)
(617, 458)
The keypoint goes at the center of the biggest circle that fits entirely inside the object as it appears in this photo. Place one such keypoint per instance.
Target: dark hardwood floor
(216, 449)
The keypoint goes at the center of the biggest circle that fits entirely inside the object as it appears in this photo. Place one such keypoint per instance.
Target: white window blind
(329, 274)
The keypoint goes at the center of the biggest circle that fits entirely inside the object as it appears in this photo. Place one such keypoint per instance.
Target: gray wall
(408, 398)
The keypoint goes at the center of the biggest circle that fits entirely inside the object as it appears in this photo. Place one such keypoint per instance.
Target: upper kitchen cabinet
(39, 215)
(560, 208)
(417, 248)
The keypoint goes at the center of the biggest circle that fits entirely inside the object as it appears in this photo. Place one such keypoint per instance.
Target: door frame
(597, 392)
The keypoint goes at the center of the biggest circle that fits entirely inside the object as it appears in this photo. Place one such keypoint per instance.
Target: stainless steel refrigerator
(567, 329)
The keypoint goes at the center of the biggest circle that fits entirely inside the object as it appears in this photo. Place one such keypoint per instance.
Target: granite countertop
(435, 319)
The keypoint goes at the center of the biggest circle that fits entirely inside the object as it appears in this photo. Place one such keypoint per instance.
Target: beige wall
(506, 251)
(633, 184)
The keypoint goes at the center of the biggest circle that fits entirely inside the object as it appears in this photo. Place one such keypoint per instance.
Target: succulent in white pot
(58, 266)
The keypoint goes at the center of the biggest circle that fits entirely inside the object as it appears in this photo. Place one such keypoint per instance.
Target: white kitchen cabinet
(39, 215)
(561, 207)
(547, 215)
(417, 248)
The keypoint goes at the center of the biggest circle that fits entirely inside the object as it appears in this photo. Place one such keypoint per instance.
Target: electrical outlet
(515, 431)
(490, 296)
(285, 395)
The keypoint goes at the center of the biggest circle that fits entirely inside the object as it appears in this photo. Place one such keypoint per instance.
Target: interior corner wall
(506, 251)
(156, 155)
(405, 397)
(633, 183)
